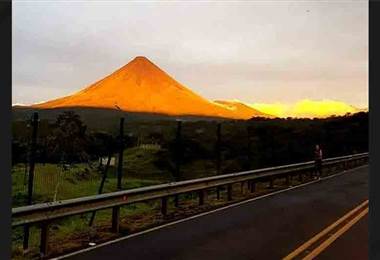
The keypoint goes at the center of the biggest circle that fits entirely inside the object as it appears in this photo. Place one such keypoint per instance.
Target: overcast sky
(256, 51)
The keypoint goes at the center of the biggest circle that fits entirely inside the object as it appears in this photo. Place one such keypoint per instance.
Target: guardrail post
(201, 197)
(218, 192)
(176, 201)
(311, 174)
(229, 192)
(115, 219)
(328, 169)
(271, 181)
(164, 205)
(300, 177)
(287, 180)
(44, 244)
(242, 187)
(252, 186)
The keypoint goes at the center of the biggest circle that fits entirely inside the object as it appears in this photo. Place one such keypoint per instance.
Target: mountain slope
(141, 86)
(242, 109)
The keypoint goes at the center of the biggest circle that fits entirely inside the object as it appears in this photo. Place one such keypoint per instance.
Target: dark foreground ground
(268, 228)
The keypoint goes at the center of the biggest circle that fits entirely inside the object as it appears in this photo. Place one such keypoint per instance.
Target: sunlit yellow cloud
(306, 108)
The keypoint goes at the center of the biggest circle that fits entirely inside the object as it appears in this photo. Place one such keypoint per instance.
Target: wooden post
(164, 206)
(32, 158)
(176, 201)
(288, 180)
(178, 158)
(44, 239)
(229, 192)
(218, 156)
(116, 210)
(249, 165)
(271, 181)
(201, 197)
(104, 177)
(300, 177)
(242, 187)
(116, 219)
(121, 150)
(253, 187)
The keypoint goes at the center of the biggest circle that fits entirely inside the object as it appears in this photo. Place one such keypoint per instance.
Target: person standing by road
(318, 161)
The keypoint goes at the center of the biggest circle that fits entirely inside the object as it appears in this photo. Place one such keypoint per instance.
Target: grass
(51, 183)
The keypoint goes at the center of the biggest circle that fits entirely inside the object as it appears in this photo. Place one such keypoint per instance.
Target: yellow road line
(335, 236)
(307, 244)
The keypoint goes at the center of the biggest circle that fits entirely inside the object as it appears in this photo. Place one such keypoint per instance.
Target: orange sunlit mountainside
(141, 86)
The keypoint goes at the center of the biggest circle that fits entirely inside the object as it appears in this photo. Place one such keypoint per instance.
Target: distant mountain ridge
(142, 87)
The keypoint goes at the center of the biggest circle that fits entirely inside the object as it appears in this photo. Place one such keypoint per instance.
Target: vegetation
(153, 148)
(69, 153)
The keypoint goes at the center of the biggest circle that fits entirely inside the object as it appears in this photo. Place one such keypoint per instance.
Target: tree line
(243, 145)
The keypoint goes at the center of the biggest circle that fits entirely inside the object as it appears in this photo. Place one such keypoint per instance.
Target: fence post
(300, 177)
(218, 159)
(252, 186)
(116, 210)
(104, 177)
(229, 192)
(201, 197)
(249, 164)
(32, 156)
(164, 206)
(178, 158)
(121, 150)
(311, 174)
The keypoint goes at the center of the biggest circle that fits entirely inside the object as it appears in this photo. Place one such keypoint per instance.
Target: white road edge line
(201, 214)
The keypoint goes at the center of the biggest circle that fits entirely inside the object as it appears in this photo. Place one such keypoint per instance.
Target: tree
(68, 138)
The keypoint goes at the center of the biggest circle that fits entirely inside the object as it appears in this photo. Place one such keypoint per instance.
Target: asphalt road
(352, 245)
(268, 228)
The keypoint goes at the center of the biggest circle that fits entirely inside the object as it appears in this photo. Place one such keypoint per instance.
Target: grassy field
(52, 182)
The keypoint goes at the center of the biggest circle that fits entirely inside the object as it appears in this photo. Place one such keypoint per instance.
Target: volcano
(141, 86)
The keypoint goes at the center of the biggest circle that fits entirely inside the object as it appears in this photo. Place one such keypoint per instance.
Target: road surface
(267, 228)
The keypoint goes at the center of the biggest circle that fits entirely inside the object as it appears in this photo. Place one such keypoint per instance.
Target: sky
(259, 52)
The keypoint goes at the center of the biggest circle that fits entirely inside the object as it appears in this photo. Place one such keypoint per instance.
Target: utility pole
(32, 156)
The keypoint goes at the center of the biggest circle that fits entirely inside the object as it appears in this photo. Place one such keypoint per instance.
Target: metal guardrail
(44, 213)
